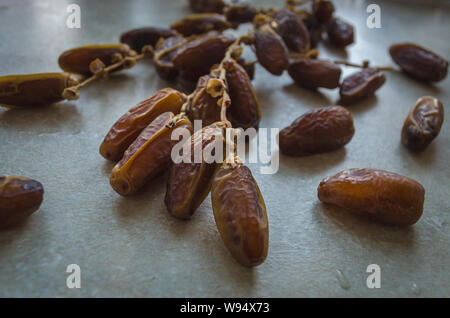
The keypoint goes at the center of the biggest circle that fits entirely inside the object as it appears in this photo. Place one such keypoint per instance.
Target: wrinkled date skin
(292, 29)
(196, 57)
(244, 111)
(138, 38)
(340, 33)
(423, 123)
(34, 89)
(382, 196)
(148, 155)
(361, 85)
(271, 51)
(201, 23)
(190, 182)
(77, 60)
(165, 51)
(238, 13)
(323, 10)
(419, 62)
(240, 214)
(207, 5)
(131, 124)
(312, 73)
(323, 130)
(19, 198)
(204, 107)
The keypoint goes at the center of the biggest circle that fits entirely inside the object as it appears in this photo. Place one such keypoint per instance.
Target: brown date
(323, 10)
(148, 155)
(190, 182)
(271, 51)
(312, 73)
(419, 62)
(240, 214)
(201, 23)
(323, 130)
(382, 196)
(292, 29)
(361, 85)
(19, 198)
(238, 13)
(198, 55)
(340, 33)
(249, 67)
(34, 89)
(207, 5)
(203, 106)
(138, 38)
(131, 124)
(244, 110)
(423, 123)
(77, 60)
(165, 51)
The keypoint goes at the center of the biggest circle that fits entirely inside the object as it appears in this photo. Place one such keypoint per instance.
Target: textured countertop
(133, 247)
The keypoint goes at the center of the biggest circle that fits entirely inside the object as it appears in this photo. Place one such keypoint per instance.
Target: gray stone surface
(133, 247)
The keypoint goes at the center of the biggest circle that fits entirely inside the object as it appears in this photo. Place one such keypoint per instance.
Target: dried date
(292, 29)
(201, 23)
(323, 10)
(314, 73)
(136, 39)
(361, 85)
(382, 196)
(340, 33)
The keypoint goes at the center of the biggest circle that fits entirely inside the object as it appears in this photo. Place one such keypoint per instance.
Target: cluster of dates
(195, 52)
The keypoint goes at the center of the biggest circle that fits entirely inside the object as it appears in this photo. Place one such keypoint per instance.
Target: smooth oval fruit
(380, 195)
(340, 33)
(244, 111)
(30, 90)
(201, 23)
(190, 182)
(361, 85)
(312, 73)
(323, 130)
(240, 214)
(292, 29)
(423, 123)
(136, 39)
(131, 124)
(323, 10)
(197, 56)
(77, 60)
(270, 50)
(238, 13)
(19, 198)
(207, 5)
(148, 155)
(165, 51)
(419, 62)
(203, 106)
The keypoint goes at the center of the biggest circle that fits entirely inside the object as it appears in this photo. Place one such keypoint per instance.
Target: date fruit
(323, 10)
(201, 23)
(423, 123)
(244, 110)
(314, 73)
(190, 182)
(207, 5)
(292, 29)
(148, 155)
(270, 50)
(238, 13)
(419, 62)
(138, 38)
(19, 198)
(165, 51)
(131, 124)
(323, 130)
(361, 85)
(240, 214)
(340, 33)
(77, 60)
(203, 106)
(34, 89)
(382, 196)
